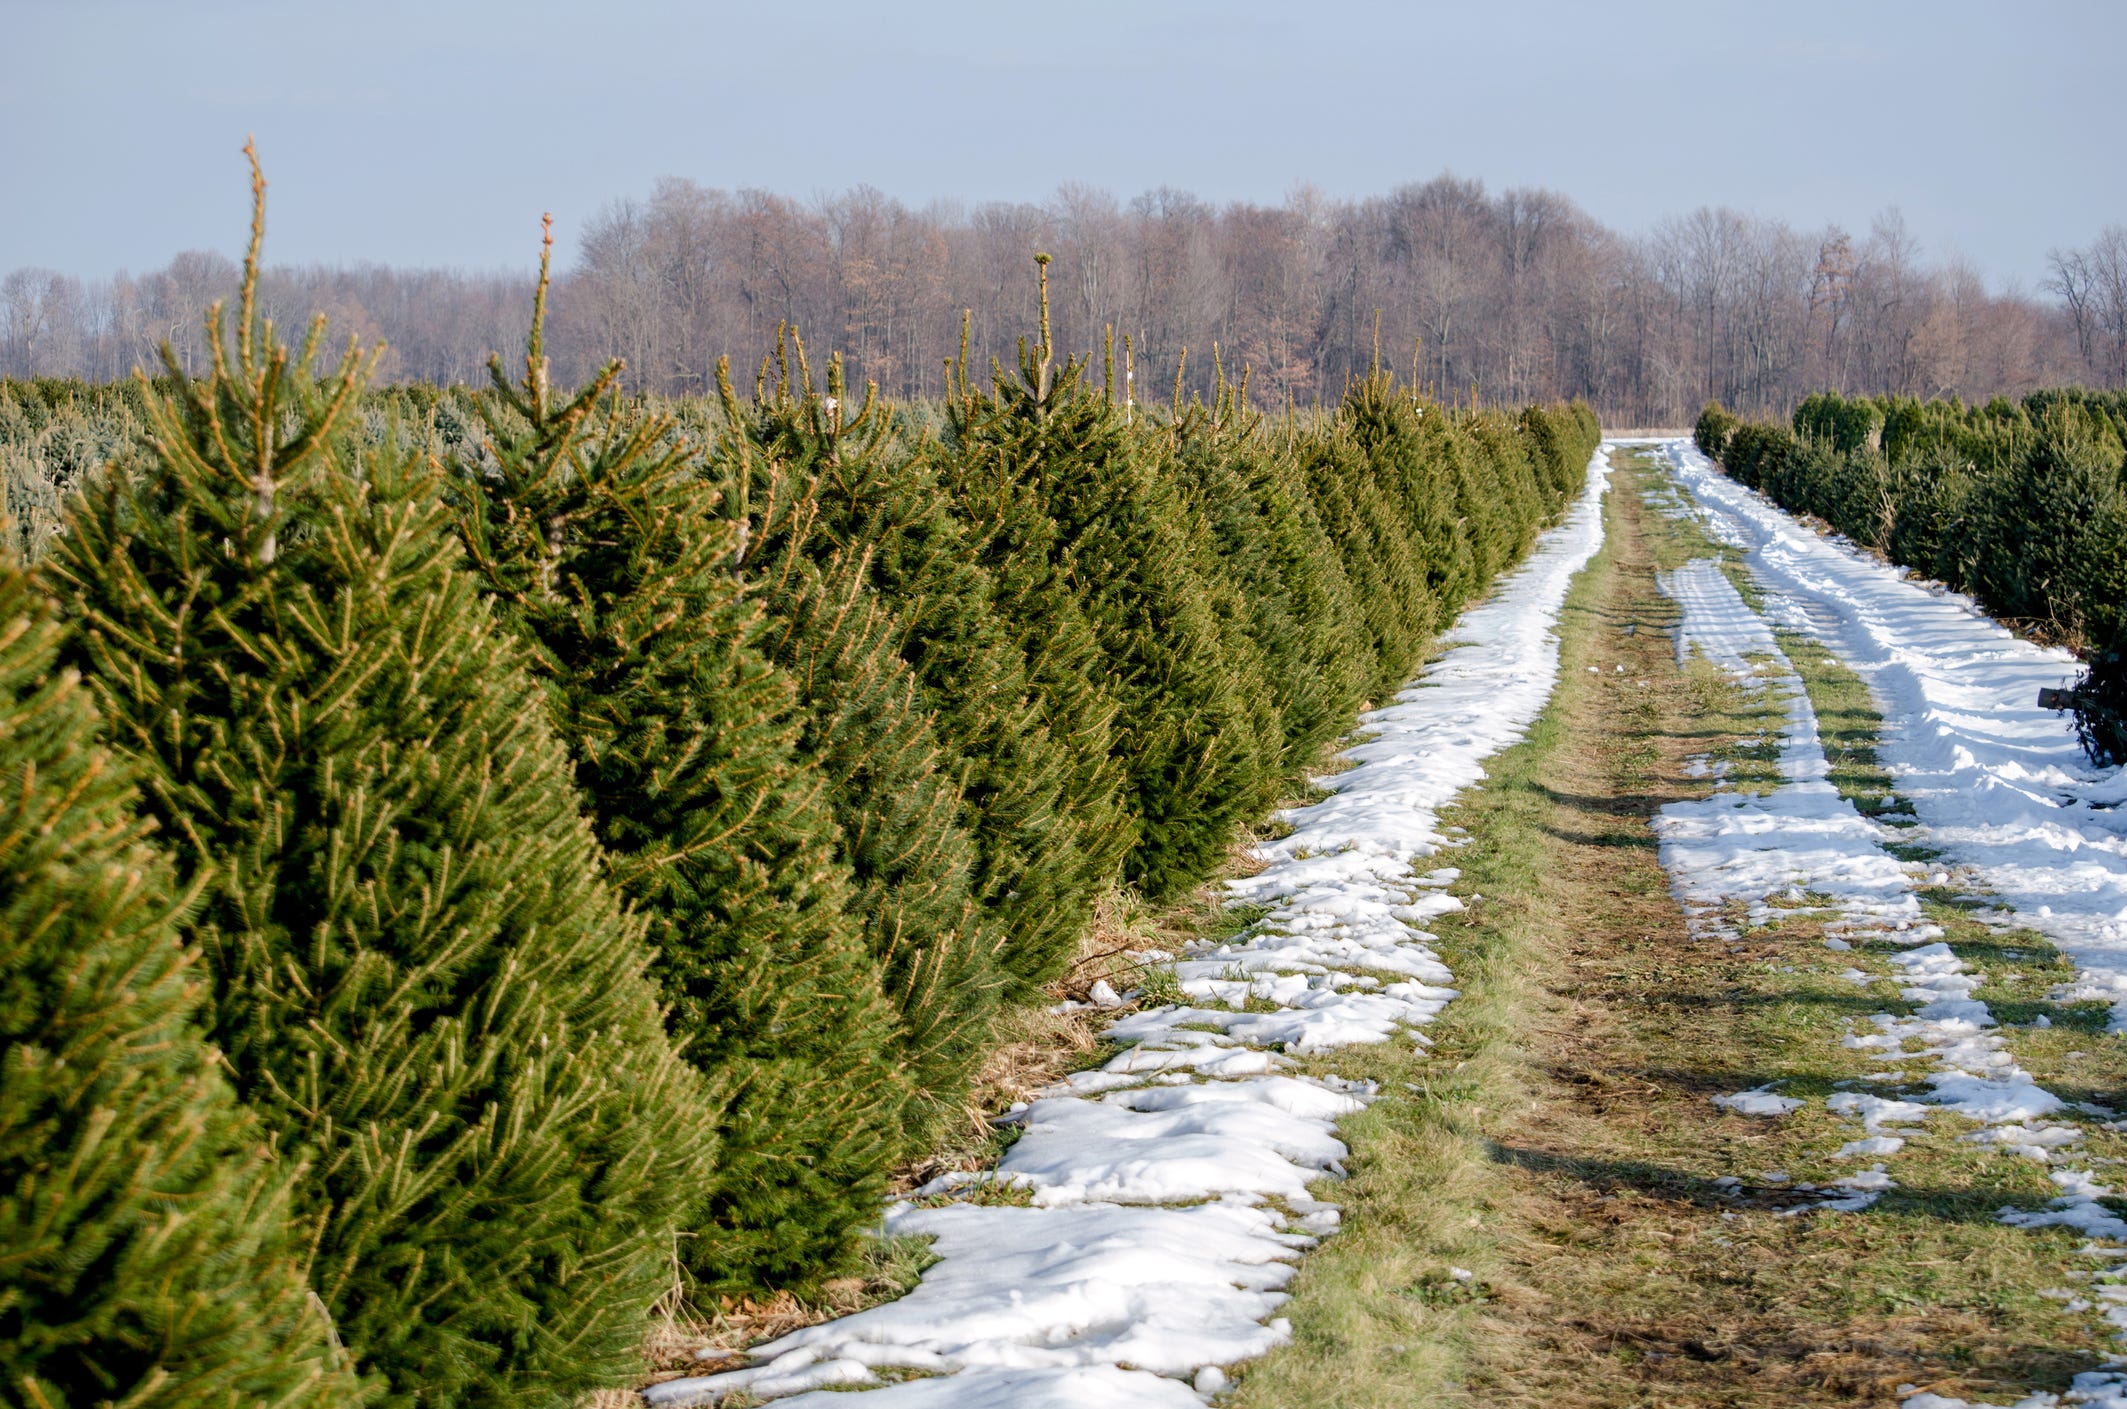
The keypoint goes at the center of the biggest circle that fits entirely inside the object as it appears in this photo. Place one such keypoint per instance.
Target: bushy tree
(1283, 580)
(1112, 531)
(587, 523)
(148, 1256)
(2052, 529)
(989, 465)
(856, 480)
(418, 972)
(893, 782)
(2101, 704)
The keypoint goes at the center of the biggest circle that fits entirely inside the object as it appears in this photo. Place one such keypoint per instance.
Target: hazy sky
(436, 132)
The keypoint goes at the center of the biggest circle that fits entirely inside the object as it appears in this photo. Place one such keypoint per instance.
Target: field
(1029, 897)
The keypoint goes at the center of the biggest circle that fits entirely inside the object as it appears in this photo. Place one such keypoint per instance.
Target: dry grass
(1635, 1279)
(1560, 1143)
(1034, 1046)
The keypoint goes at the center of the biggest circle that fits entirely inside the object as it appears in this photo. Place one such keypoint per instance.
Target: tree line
(1505, 297)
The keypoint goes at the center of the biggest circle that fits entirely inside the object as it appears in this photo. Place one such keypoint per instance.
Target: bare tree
(1514, 297)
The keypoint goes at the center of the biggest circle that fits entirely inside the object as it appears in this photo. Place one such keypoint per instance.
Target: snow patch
(1759, 1101)
(1999, 785)
(1169, 1190)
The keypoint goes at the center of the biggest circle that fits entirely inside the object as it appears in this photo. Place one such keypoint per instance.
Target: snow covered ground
(2000, 788)
(1158, 1203)
(1802, 847)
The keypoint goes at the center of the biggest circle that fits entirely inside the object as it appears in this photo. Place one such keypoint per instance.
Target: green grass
(2021, 969)
(1378, 1316)
(1557, 1140)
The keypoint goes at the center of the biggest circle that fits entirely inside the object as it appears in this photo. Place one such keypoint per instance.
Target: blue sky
(436, 133)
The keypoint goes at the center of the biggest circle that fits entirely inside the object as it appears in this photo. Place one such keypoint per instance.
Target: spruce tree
(1117, 541)
(893, 784)
(1380, 558)
(1284, 572)
(862, 485)
(149, 1259)
(1421, 498)
(418, 973)
(2101, 705)
(586, 522)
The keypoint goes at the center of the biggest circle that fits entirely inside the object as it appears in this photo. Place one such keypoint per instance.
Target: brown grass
(1560, 1142)
(1627, 1284)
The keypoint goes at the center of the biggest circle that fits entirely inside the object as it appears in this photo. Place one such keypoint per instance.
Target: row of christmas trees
(2021, 504)
(462, 858)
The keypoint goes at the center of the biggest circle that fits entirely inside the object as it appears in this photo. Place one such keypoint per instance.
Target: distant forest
(1512, 297)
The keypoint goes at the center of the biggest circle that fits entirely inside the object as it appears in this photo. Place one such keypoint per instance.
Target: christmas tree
(894, 783)
(418, 973)
(1285, 573)
(1117, 547)
(586, 522)
(1380, 560)
(149, 1256)
(861, 483)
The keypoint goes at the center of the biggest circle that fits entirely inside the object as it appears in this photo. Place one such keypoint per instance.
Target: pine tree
(1285, 574)
(590, 528)
(149, 1258)
(1118, 543)
(1380, 558)
(418, 973)
(2101, 705)
(1422, 500)
(893, 784)
(862, 486)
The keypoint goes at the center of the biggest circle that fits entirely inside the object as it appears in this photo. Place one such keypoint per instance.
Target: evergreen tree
(588, 525)
(2101, 705)
(148, 1255)
(860, 487)
(1119, 544)
(1422, 500)
(1282, 575)
(1380, 557)
(1495, 477)
(2052, 529)
(990, 467)
(417, 971)
(1327, 620)
(1257, 771)
(893, 785)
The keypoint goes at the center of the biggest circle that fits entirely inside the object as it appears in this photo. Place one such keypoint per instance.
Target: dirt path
(1557, 1213)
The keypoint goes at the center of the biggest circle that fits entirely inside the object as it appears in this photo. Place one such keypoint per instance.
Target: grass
(1374, 1320)
(1559, 1143)
(2022, 970)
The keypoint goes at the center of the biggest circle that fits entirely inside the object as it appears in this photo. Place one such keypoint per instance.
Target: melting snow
(1771, 850)
(1169, 1189)
(1759, 1101)
(1999, 785)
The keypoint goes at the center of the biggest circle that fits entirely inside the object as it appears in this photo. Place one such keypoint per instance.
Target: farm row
(471, 860)
(2022, 505)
